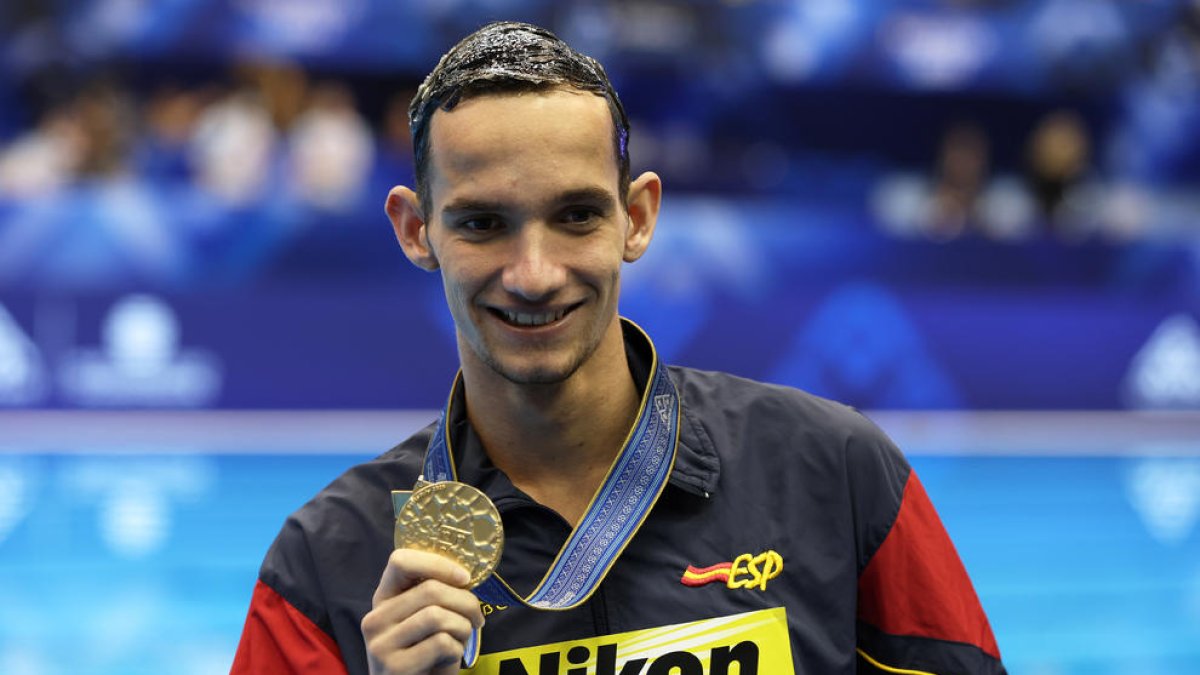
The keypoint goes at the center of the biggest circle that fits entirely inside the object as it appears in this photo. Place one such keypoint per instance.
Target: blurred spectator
(1153, 151)
(964, 195)
(1076, 202)
(45, 158)
(105, 116)
(1058, 158)
(1083, 45)
(246, 158)
(1156, 140)
(283, 88)
(88, 136)
(963, 165)
(233, 146)
(170, 120)
(331, 150)
(394, 159)
(397, 135)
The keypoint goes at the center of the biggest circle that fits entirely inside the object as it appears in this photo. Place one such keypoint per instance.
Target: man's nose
(534, 270)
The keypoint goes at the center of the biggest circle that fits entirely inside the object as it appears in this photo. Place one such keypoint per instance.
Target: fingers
(433, 637)
(421, 615)
(428, 593)
(437, 656)
(407, 567)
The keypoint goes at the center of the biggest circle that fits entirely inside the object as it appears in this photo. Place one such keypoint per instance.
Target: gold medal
(456, 521)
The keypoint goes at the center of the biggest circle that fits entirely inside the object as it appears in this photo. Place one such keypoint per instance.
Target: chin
(535, 374)
(544, 371)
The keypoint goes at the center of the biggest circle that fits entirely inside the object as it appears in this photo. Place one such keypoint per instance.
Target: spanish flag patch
(699, 576)
(746, 571)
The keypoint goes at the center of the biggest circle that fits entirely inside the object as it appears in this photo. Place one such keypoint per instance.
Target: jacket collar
(696, 470)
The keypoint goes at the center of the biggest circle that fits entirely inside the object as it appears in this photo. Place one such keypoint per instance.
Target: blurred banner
(824, 306)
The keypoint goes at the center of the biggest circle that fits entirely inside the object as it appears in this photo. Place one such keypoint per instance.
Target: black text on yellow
(578, 658)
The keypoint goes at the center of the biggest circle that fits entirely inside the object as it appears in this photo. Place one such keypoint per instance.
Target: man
(656, 520)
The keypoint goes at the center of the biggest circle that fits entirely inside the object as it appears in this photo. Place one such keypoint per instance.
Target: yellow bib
(741, 644)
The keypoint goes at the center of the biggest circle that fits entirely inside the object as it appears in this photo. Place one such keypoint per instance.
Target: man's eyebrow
(592, 195)
(472, 205)
(587, 195)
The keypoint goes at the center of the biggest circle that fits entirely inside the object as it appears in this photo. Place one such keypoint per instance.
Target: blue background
(187, 353)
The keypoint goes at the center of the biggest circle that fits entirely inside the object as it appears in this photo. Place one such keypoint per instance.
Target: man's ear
(645, 197)
(404, 210)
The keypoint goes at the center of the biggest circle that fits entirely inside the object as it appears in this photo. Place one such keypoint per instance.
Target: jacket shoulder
(752, 428)
(733, 404)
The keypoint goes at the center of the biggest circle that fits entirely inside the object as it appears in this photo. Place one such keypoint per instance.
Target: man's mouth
(532, 319)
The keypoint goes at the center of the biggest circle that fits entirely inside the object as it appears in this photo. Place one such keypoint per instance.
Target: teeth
(523, 319)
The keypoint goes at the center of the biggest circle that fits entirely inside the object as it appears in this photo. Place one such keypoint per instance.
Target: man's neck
(556, 442)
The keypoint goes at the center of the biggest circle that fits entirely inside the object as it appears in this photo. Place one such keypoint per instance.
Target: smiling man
(656, 519)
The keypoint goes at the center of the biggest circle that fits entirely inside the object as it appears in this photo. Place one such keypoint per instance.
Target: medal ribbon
(624, 500)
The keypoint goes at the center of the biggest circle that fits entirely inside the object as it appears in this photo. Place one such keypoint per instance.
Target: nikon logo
(738, 644)
(578, 660)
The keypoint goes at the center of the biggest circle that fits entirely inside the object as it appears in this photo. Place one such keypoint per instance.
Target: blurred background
(976, 220)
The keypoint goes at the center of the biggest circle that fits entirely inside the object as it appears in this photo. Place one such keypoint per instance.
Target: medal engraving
(456, 521)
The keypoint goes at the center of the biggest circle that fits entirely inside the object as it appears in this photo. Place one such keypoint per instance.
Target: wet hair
(510, 57)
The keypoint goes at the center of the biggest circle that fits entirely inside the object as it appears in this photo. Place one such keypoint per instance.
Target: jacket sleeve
(278, 638)
(917, 610)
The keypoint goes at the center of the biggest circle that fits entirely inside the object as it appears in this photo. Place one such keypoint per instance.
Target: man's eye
(580, 216)
(480, 224)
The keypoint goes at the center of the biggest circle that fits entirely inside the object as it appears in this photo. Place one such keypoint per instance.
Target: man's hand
(421, 616)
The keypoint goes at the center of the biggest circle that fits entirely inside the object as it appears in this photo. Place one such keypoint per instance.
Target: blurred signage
(141, 362)
(1165, 373)
(871, 345)
(22, 379)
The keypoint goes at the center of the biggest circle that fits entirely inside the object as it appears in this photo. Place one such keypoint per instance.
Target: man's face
(529, 230)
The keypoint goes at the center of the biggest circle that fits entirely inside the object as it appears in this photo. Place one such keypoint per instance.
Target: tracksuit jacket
(792, 536)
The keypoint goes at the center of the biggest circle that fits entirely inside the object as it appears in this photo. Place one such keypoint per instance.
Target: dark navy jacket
(869, 579)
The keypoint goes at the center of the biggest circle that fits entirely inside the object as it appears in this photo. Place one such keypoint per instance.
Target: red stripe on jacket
(916, 585)
(278, 638)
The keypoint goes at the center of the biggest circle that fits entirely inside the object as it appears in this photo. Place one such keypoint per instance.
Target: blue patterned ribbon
(633, 484)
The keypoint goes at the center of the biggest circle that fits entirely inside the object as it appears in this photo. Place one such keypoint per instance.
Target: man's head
(527, 208)
(510, 57)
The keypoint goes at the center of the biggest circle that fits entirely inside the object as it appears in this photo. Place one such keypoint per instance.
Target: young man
(656, 519)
